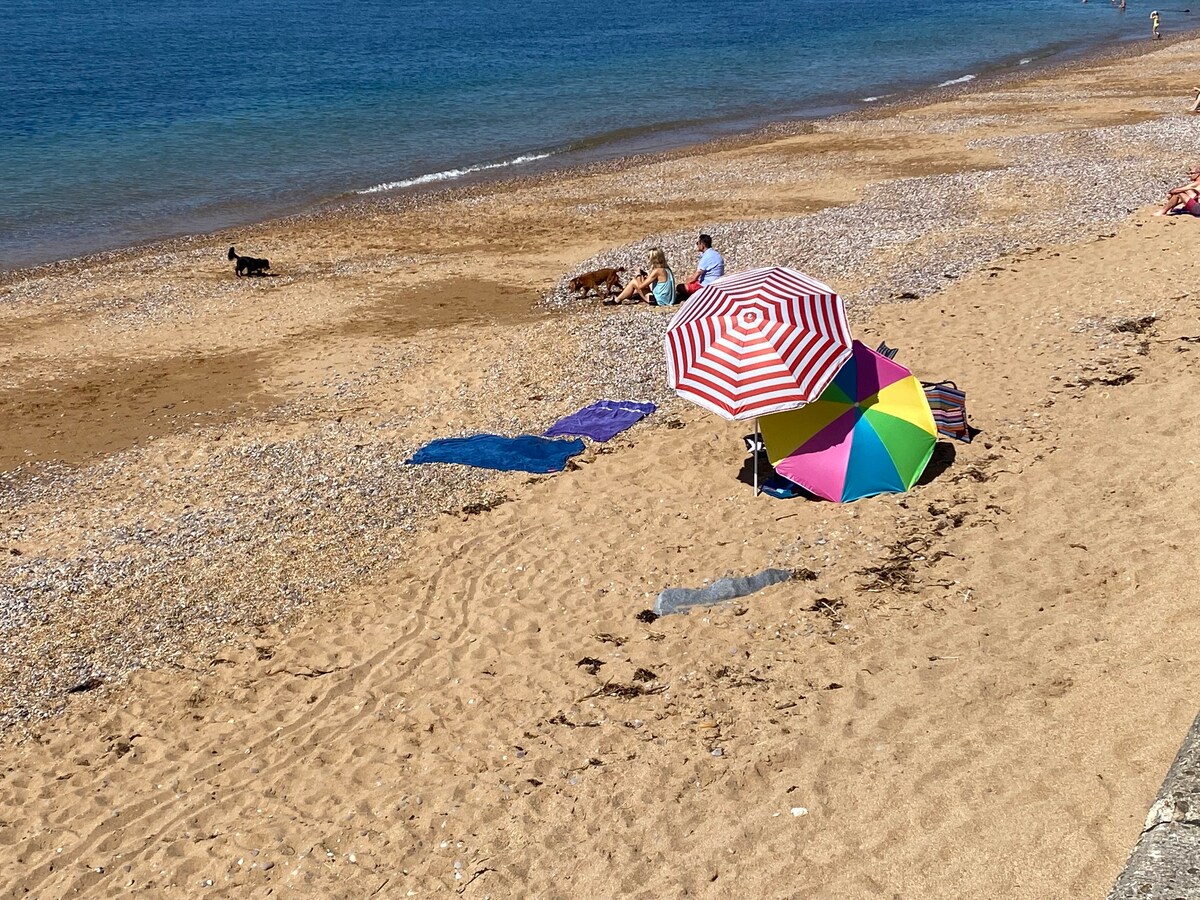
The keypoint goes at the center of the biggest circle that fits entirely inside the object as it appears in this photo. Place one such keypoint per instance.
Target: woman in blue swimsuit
(656, 287)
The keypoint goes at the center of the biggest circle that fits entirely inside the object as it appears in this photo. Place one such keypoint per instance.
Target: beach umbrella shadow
(944, 454)
(765, 470)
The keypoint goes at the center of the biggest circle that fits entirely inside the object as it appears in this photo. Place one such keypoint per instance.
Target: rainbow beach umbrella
(870, 432)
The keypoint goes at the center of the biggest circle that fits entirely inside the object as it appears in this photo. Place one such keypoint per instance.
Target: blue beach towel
(603, 420)
(526, 453)
(781, 488)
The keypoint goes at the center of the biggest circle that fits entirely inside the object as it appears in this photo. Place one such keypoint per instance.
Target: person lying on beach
(656, 287)
(1185, 197)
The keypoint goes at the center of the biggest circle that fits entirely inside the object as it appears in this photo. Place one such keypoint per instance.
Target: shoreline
(362, 202)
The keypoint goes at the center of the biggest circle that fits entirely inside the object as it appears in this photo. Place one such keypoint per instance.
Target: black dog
(248, 265)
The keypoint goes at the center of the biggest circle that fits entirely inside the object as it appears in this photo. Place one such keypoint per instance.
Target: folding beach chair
(884, 350)
(949, 407)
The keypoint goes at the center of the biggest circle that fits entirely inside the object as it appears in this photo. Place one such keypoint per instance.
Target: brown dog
(609, 279)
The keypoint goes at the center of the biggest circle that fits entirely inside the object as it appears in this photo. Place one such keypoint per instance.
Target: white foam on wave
(870, 99)
(1025, 62)
(962, 80)
(451, 174)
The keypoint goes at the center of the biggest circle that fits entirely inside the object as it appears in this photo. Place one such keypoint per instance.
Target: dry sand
(307, 670)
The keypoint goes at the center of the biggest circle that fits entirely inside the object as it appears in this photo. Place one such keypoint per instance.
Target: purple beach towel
(603, 420)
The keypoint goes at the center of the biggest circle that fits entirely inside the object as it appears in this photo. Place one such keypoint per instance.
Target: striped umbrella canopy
(757, 342)
(871, 432)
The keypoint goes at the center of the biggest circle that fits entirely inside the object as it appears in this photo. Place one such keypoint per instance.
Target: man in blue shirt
(709, 269)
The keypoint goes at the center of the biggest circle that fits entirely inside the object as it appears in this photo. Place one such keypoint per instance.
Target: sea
(123, 121)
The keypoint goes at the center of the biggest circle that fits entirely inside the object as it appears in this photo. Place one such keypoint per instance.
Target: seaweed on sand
(625, 691)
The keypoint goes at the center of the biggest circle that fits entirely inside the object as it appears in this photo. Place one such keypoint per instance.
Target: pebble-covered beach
(154, 555)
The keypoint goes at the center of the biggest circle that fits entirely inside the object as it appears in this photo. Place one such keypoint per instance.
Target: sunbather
(655, 287)
(1185, 197)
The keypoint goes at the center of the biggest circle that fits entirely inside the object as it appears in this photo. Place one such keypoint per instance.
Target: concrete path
(1165, 863)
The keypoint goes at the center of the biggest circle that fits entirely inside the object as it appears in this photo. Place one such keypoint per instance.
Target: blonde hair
(657, 257)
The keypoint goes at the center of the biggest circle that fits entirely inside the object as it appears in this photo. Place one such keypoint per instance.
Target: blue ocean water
(131, 120)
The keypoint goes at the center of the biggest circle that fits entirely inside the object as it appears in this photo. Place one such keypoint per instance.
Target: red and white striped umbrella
(757, 342)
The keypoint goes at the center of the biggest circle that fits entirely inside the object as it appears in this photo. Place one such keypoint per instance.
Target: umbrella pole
(757, 444)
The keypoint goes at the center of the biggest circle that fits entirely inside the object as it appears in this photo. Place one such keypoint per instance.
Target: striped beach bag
(949, 406)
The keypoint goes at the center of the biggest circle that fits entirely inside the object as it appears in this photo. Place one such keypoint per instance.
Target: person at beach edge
(656, 287)
(1154, 23)
(710, 267)
(1185, 197)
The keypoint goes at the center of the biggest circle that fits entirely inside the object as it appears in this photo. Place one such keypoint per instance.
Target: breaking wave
(451, 174)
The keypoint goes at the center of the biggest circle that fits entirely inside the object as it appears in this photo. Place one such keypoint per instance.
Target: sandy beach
(245, 651)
